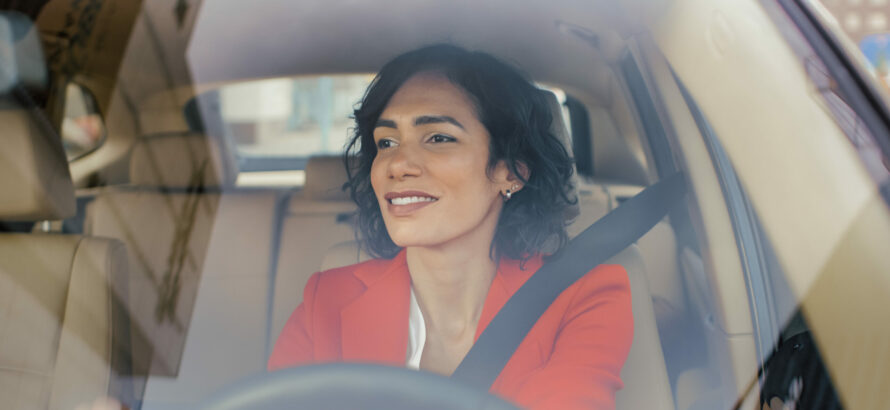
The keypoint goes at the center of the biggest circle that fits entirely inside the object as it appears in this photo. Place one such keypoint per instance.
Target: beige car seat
(318, 217)
(201, 252)
(165, 218)
(56, 336)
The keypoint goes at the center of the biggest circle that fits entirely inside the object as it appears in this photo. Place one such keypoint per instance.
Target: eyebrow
(386, 123)
(437, 119)
(422, 120)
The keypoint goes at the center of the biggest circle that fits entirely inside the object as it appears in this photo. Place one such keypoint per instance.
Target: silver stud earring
(509, 193)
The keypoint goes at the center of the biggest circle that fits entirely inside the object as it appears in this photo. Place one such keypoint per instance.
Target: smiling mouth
(408, 200)
(406, 203)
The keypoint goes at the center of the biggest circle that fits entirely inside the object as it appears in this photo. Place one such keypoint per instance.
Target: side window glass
(290, 117)
(792, 373)
(864, 30)
(83, 129)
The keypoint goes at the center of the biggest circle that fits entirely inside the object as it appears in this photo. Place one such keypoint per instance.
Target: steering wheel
(352, 386)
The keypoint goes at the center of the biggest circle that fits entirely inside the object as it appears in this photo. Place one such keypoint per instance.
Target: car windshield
(174, 183)
(296, 117)
(276, 125)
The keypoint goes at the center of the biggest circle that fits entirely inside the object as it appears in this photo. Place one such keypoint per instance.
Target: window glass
(865, 28)
(83, 129)
(804, 214)
(297, 117)
(792, 372)
(276, 124)
(291, 117)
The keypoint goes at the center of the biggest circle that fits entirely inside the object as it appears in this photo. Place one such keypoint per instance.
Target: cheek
(484, 176)
(472, 177)
(378, 175)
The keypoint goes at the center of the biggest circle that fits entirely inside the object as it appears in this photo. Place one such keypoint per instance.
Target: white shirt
(416, 333)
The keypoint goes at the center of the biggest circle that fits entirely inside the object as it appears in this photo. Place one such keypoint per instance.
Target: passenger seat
(318, 217)
(56, 334)
(165, 217)
(200, 258)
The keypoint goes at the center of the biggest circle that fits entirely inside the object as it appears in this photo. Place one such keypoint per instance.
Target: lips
(406, 202)
(406, 197)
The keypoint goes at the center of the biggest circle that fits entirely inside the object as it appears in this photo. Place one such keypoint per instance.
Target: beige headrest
(34, 173)
(560, 131)
(558, 126)
(181, 160)
(21, 56)
(325, 176)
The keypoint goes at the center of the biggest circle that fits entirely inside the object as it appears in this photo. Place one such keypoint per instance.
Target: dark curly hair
(518, 119)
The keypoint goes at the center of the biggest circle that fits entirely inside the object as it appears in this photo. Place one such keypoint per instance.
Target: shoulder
(602, 279)
(605, 282)
(346, 281)
(603, 275)
(606, 278)
(605, 288)
(353, 272)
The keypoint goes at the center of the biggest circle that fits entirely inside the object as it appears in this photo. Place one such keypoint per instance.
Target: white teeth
(410, 200)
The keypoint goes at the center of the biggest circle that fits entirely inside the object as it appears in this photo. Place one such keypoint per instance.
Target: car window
(291, 117)
(83, 129)
(794, 141)
(212, 272)
(276, 124)
(864, 27)
(788, 355)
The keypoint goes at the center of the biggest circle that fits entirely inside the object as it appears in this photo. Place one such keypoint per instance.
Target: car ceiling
(563, 42)
(317, 37)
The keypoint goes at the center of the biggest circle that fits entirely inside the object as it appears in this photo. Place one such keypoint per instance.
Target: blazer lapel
(374, 327)
(509, 278)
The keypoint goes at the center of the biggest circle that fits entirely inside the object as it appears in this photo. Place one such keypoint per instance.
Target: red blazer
(571, 358)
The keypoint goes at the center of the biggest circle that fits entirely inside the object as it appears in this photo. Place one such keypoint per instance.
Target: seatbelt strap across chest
(603, 239)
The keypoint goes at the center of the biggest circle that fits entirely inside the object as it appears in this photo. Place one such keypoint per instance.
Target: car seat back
(318, 217)
(56, 305)
(200, 256)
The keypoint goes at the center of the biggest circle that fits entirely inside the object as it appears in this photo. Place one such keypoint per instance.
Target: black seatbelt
(609, 235)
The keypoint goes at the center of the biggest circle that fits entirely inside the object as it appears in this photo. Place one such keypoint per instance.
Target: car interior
(214, 269)
(160, 266)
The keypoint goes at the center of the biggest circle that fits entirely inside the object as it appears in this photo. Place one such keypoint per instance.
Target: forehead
(429, 93)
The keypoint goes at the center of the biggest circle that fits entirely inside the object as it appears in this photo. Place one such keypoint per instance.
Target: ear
(507, 179)
(523, 171)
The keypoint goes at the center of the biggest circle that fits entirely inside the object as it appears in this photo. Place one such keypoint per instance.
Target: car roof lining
(163, 66)
(548, 40)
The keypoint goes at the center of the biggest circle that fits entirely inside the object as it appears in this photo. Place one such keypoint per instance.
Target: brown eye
(385, 143)
(439, 138)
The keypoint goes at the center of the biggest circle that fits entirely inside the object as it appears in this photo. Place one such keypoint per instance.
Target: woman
(462, 191)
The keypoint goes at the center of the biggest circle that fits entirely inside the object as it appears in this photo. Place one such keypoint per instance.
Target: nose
(404, 163)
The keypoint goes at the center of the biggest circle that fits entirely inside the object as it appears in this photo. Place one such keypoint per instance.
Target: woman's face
(429, 174)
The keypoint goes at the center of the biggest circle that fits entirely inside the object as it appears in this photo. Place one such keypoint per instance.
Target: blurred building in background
(867, 23)
(861, 18)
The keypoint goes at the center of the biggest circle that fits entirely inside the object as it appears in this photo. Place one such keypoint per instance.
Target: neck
(451, 286)
(451, 280)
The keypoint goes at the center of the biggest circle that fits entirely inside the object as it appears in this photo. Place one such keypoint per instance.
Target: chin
(410, 242)
(406, 239)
